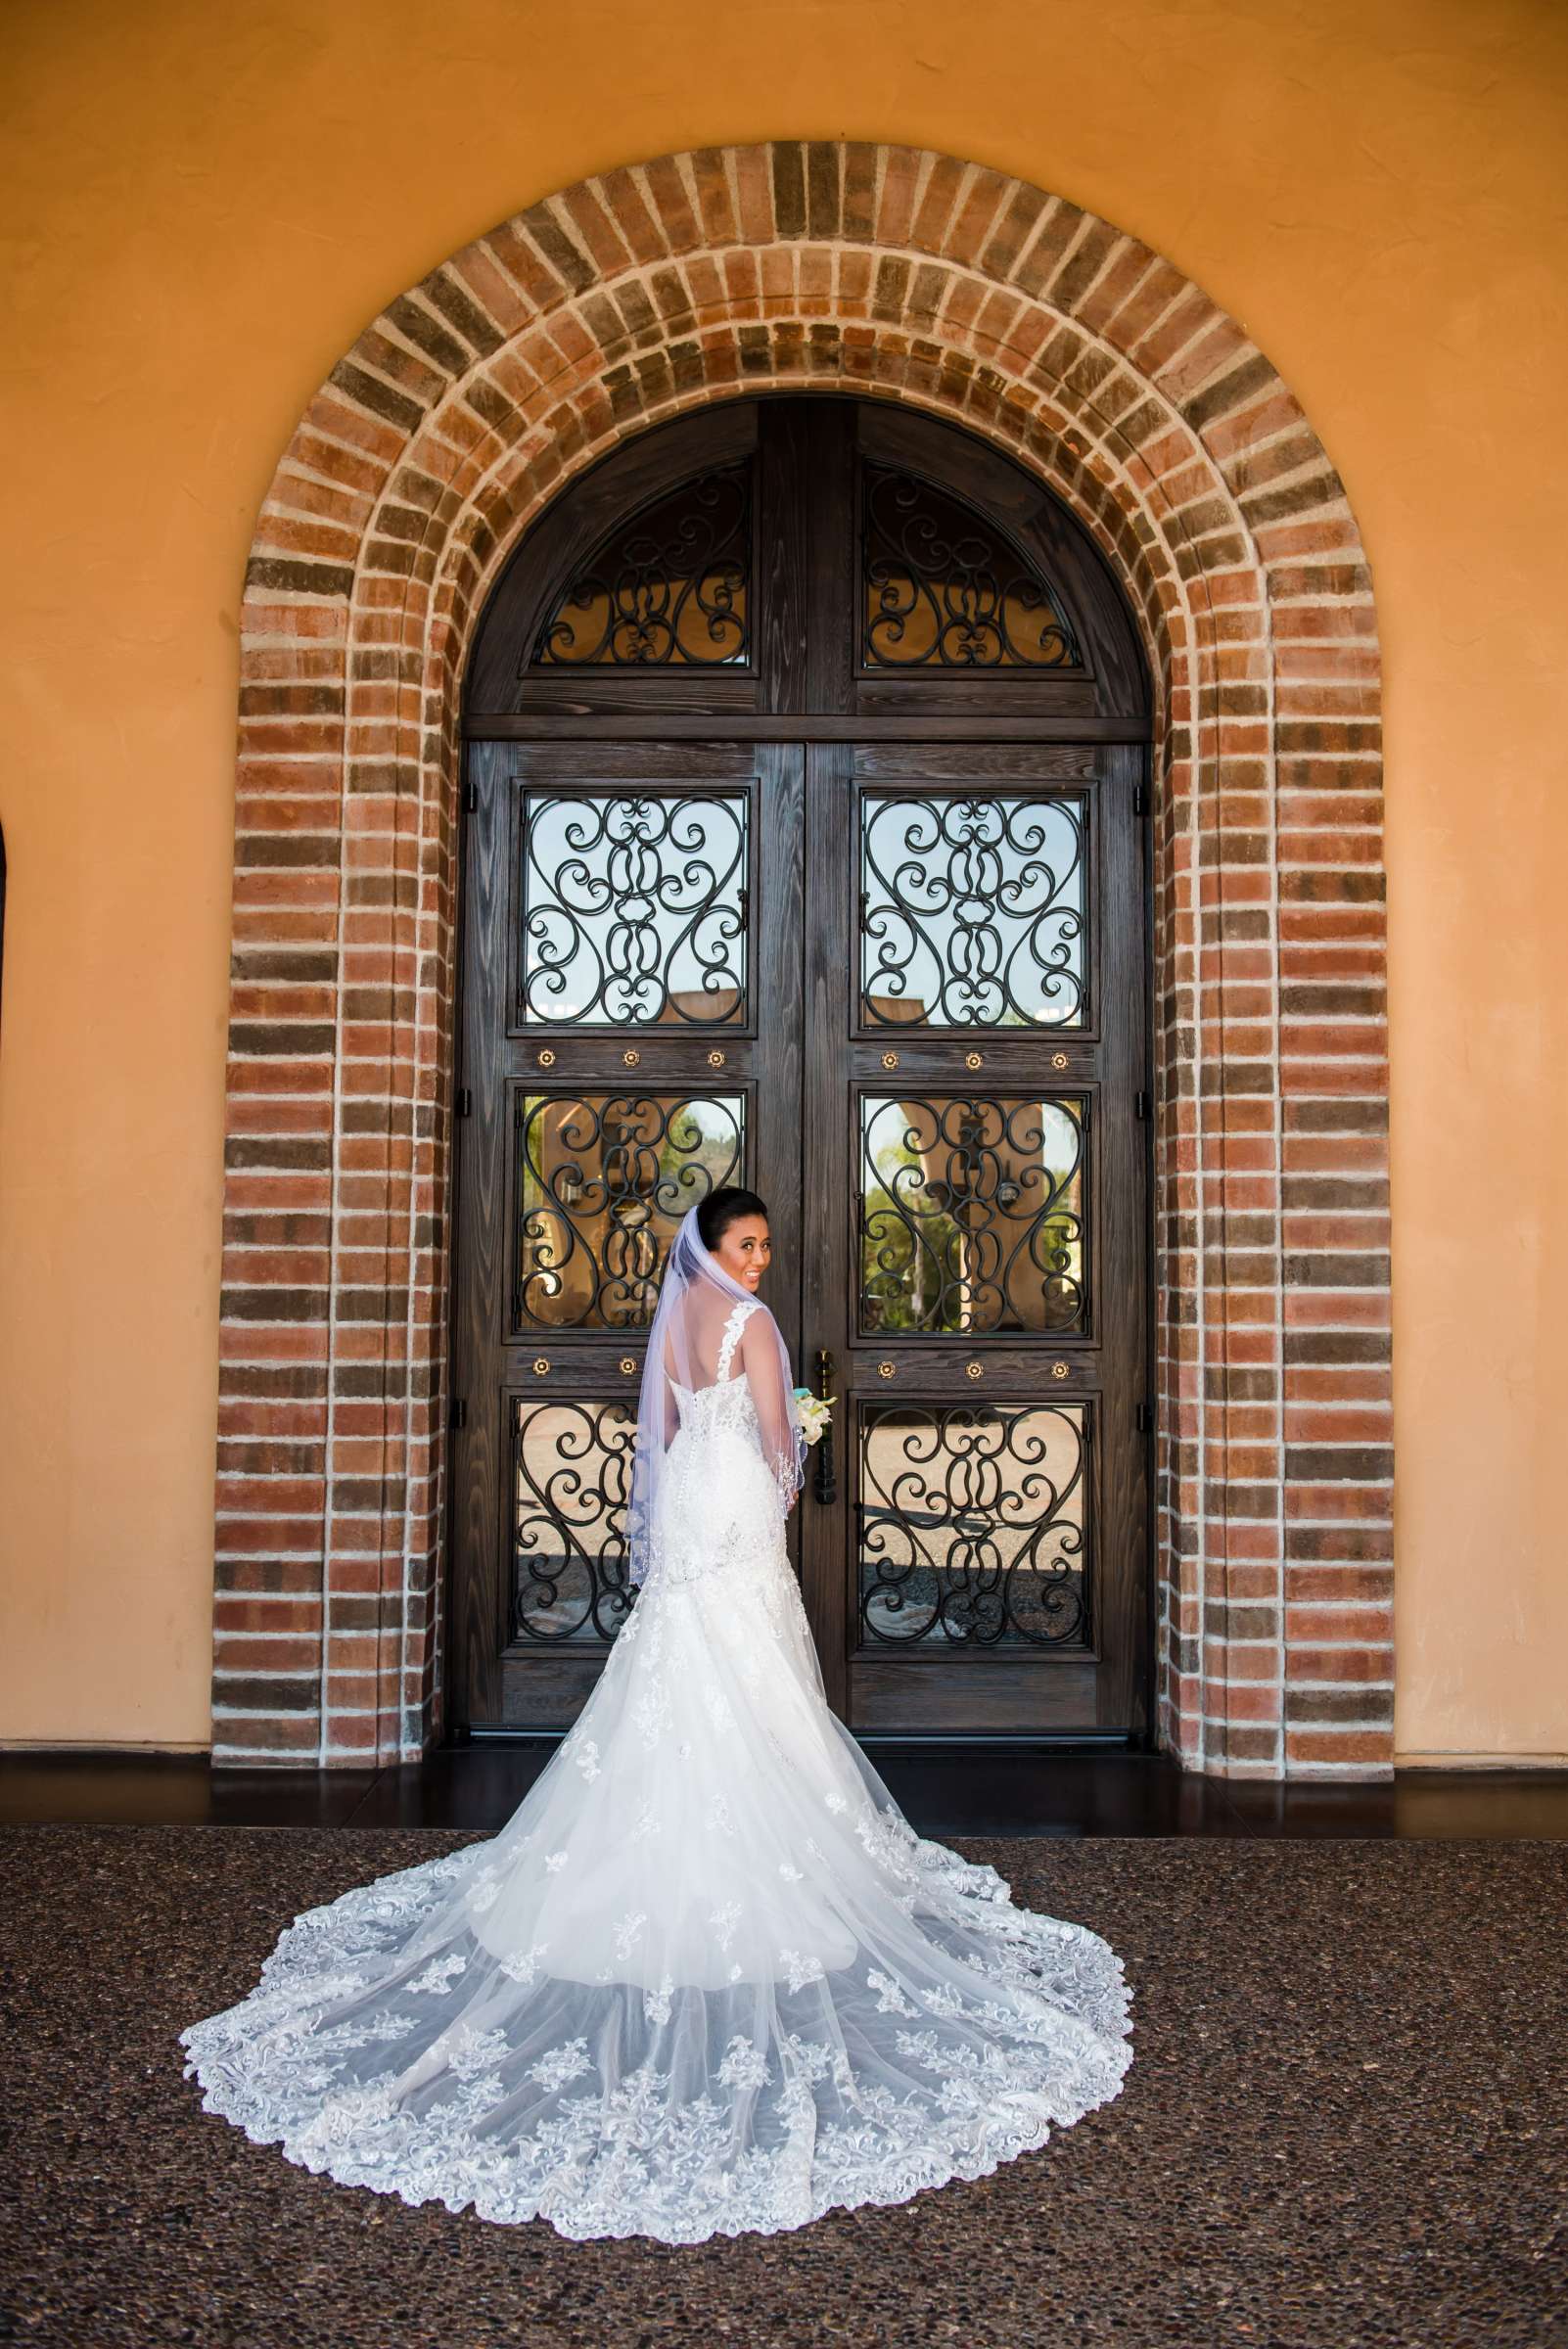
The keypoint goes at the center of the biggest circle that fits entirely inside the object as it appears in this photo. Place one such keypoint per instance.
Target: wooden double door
(805, 820)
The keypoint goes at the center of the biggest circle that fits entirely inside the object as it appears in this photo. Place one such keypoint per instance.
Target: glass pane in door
(943, 588)
(972, 1214)
(601, 1181)
(973, 909)
(974, 1525)
(632, 910)
(571, 1479)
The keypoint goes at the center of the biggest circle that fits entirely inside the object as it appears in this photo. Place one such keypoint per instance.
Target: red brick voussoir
(457, 413)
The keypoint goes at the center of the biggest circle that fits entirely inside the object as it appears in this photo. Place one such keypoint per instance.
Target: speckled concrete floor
(1345, 2124)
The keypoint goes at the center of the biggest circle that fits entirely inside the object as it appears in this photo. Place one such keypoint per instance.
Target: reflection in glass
(602, 1182)
(943, 588)
(632, 910)
(669, 590)
(972, 910)
(972, 1214)
(570, 1479)
(973, 1525)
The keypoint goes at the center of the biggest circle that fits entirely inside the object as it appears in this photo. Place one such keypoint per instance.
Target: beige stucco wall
(203, 205)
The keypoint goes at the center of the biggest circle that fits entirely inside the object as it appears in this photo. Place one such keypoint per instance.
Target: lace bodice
(723, 1408)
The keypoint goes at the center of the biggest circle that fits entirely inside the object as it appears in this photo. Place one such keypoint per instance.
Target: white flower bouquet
(816, 1412)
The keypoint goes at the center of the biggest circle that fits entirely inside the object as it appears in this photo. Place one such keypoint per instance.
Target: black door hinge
(469, 795)
(1140, 1103)
(465, 1101)
(1145, 1417)
(457, 1416)
(1140, 799)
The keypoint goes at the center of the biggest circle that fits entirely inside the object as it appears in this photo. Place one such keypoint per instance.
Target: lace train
(719, 2113)
(707, 1980)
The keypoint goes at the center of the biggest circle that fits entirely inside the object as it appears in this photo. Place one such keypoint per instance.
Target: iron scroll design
(943, 588)
(571, 1481)
(602, 1181)
(972, 1214)
(971, 910)
(974, 1525)
(634, 909)
(669, 589)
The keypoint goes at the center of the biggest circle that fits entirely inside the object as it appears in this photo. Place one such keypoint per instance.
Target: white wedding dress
(707, 1980)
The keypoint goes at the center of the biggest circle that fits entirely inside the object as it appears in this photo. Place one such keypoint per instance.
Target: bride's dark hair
(723, 1208)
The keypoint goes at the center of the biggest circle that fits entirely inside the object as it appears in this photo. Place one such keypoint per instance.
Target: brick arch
(459, 411)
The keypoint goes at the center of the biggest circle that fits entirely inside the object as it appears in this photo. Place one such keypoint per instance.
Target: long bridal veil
(706, 1979)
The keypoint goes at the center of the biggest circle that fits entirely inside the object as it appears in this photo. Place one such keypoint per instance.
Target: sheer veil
(697, 1299)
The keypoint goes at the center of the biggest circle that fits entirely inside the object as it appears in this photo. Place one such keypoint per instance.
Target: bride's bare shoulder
(758, 1326)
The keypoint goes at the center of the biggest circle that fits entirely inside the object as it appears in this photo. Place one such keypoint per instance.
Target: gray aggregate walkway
(1345, 2124)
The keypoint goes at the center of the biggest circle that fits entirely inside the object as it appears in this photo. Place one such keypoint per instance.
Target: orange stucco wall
(203, 205)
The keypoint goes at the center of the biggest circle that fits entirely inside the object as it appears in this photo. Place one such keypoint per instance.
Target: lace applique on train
(707, 1980)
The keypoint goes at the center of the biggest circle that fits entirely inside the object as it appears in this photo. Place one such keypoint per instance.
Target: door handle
(823, 1484)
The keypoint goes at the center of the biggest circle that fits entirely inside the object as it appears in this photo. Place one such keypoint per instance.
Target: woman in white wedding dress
(706, 1979)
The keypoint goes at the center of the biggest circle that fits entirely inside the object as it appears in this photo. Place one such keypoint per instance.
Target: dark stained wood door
(630, 1038)
(976, 1562)
(806, 848)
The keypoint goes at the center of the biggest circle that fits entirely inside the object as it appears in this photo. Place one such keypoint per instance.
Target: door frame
(814, 436)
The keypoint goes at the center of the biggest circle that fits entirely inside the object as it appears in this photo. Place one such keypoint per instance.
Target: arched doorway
(439, 437)
(805, 803)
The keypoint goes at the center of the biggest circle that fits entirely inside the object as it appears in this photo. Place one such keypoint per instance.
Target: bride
(706, 1979)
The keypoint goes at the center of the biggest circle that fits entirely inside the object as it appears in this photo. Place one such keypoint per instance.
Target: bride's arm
(671, 1412)
(761, 1361)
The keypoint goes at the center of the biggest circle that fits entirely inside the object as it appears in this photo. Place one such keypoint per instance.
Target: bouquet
(815, 1411)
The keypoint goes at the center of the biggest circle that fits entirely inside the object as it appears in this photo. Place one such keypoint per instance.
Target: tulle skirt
(707, 1980)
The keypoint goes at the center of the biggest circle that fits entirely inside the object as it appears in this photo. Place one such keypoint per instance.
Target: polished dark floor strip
(945, 1790)
(1346, 2125)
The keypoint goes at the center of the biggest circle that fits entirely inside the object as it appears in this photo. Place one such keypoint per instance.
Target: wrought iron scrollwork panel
(973, 1215)
(632, 910)
(974, 1525)
(941, 587)
(971, 910)
(602, 1181)
(669, 590)
(571, 1479)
